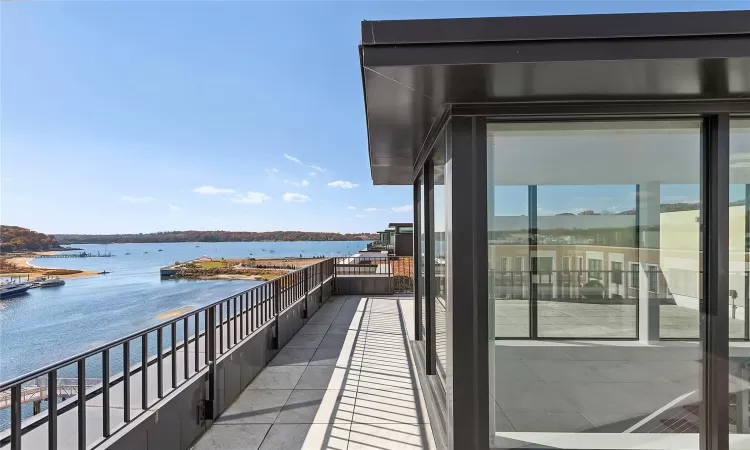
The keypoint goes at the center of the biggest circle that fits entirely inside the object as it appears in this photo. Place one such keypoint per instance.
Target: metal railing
(400, 270)
(588, 285)
(234, 319)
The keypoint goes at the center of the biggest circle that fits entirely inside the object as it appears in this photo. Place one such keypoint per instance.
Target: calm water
(47, 325)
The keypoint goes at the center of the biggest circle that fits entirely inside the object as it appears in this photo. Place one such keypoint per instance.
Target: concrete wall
(173, 423)
(364, 285)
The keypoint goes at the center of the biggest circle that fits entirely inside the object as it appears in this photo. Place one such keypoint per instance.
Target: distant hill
(211, 236)
(18, 239)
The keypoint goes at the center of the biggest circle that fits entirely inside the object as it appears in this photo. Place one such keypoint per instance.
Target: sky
(140, 116)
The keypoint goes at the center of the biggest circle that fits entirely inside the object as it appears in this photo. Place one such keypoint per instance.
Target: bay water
(50, 324)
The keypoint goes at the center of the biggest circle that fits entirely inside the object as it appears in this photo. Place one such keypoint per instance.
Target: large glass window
(603, 214)
(439, 254)
(421, 257)
(739, 281)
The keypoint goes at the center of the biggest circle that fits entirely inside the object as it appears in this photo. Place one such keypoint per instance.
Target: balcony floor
(345, 381)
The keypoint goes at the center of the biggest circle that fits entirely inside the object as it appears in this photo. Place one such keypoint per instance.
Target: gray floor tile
(624, 371)
(292, 357)
(563, 371)
(391, 436)
(233, 437)
(316, 377)
(278, 377)
(303, 406)
(530, 396)
(325, 357)
(256, 406)
(514, 369)
(547, 421)
(305, 341)
(314, 329)
(307, 436)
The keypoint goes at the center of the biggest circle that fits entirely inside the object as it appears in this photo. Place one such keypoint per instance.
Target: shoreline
(38, 271)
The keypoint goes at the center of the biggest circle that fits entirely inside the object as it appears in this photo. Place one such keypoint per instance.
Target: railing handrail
(109, 345)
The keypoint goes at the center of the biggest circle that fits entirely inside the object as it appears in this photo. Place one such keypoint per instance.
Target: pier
(77, 255)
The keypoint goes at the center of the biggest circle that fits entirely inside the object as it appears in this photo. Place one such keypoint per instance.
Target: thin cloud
(318, 168)
(174, 207)
(213, 190)
(303, 183)
(372, 209)
(343, 184)
(272, 172)
(402, 209)
(252, 198)
(292, 158)
(295, 198)
(353, 208)
(128, 198)
(312, 174)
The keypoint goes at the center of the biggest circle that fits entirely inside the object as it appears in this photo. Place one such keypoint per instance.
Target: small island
(257, 269)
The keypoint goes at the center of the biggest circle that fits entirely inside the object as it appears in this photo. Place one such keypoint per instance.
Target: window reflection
(602, 219)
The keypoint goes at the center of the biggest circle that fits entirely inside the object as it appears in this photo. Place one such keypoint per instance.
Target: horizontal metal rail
(221, 325)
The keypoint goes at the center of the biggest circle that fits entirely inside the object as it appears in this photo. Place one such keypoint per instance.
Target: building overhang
(417, 72)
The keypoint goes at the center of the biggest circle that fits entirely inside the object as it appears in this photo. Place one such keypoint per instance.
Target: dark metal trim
(106, 426)
(589, 26)
(81, 404)
(415, 260)
(428, 199)
(714, 417)
(471, 53)
(467, 400)
(533, 263)
(435, 133)
(605, 108)
(747, 262)
(52, 411)
(126, 381)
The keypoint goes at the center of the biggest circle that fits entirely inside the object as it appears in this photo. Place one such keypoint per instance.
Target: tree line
(212, 236)
(19, 239)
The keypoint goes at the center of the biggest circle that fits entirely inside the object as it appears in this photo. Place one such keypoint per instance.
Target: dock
(77, 255)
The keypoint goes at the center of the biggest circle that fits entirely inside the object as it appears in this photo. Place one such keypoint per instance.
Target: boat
(50, 282)
(161, 250)
(103, 272)
(13, 289)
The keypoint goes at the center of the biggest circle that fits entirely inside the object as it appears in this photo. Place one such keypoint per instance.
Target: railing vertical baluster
(197, 338)
(160, 362)
(247, 313)
(211, 354)
(52, 410)
(126, 381)
(229, 328)
(82, 404)
(234, 321)
(144, 371)
(243, 316)
(105, 394)
(173, 342)
(15, 417)
(253, 311)
(221, 328)
(206, 344)
(186, 348)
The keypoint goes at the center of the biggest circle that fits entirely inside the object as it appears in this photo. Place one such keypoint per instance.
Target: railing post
(305, 288)
(211, 344)
(15, 417)
(276, 297)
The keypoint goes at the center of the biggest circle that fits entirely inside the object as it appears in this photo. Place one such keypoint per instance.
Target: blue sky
(146, 116)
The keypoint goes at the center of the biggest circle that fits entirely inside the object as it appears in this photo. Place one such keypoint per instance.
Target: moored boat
(51, 282)
(13, 289)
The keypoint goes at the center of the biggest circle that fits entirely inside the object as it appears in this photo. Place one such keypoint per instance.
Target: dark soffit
(412, 71)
